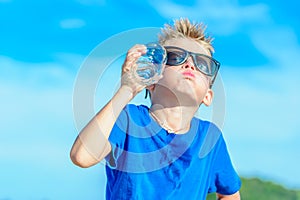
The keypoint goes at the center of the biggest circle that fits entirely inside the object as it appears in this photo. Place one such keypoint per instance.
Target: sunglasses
(205, 64)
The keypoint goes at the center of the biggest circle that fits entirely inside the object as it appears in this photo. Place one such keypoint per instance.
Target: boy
(157, 152)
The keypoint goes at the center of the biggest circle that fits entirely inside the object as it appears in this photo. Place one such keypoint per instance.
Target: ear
(150, 87)
(208, 97)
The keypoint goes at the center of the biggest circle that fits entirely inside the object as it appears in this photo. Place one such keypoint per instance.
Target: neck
(175, 119)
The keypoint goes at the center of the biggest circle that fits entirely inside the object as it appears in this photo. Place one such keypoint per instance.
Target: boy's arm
(92, 144)
(235, 196)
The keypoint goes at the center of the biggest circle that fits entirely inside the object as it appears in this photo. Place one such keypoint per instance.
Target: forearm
(92, 144)
(235, 196)
(107, 117)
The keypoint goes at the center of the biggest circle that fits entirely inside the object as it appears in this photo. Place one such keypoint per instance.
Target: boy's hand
(129, 66)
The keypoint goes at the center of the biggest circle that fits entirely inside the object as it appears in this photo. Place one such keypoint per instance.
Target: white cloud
(267, 96)
(279, 44)
(262, 121)
(33, 74)
(259, 112)
(32, 93)
(222, 17)
(72, 23)
(36, 120)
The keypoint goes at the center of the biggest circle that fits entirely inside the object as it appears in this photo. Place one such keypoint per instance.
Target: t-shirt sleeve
(117, 138)
(224, 178)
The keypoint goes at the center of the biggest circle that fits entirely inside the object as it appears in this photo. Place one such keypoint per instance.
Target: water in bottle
(151, 65)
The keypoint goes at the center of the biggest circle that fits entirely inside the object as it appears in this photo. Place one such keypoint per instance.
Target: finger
(132, 56)
(137, 48)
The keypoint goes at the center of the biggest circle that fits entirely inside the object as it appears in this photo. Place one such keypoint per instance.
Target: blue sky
(43, 46)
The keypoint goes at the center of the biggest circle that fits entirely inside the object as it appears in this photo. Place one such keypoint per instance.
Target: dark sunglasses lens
(206, 65)
(175, 57)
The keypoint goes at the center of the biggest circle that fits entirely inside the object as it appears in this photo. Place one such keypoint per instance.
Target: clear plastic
(151, 65)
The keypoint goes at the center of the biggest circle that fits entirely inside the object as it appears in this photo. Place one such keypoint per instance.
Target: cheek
(202, 85)
(170, 76)
(203, 81)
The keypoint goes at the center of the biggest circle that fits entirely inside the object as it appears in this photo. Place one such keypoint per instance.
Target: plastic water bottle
(151, 65)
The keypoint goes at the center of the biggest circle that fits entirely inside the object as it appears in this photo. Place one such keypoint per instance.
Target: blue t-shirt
(147, 162)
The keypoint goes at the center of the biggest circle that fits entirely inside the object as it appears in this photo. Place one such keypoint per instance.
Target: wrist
(126, 92)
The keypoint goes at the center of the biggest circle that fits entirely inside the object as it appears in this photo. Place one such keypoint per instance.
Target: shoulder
(208, 128)
(211, 135)
(134, 114)
(129, 114)
(134, 109)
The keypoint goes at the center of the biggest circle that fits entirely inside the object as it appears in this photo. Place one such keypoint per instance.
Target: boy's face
(184, 82)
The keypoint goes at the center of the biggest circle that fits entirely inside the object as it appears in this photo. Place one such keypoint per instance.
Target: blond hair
(183, 28)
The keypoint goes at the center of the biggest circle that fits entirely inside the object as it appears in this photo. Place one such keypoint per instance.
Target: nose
(189, 64)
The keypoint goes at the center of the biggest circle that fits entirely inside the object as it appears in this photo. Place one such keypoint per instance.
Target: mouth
(188, 75)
